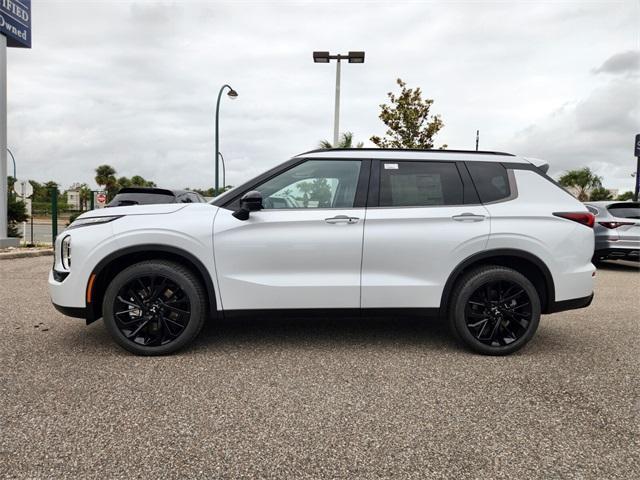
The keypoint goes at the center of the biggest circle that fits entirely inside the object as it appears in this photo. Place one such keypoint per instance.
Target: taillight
(585, 218)
(613, 225)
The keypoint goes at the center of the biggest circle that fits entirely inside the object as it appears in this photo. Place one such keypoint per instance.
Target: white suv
(484, 240)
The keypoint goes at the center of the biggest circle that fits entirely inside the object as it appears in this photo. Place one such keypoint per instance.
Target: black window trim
(469, 193)
(359, 201)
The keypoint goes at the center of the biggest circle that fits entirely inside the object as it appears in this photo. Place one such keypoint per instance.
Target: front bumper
(74, 312)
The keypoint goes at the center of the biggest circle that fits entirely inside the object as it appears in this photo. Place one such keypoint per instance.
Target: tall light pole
(326, 57)
(14, 163)
(232, 94)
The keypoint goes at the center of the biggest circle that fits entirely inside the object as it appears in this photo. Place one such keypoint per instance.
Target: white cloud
(134, 84)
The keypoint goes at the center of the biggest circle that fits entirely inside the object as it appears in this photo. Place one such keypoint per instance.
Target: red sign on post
(101, 198)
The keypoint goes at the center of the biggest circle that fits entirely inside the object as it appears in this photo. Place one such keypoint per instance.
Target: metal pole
(14, 163)
(3, 144)
(217, 134)
(93, 200)
(336, 118)
(635, 195)
(54, 214)
(477, 139)
(224, 171)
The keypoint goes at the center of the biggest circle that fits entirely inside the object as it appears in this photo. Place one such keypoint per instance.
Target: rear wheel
(154, 307)
(494, 310)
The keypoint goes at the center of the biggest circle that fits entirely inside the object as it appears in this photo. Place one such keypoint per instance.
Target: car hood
(158, 209)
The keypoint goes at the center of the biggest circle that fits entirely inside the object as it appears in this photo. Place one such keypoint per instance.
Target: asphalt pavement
(321, 398)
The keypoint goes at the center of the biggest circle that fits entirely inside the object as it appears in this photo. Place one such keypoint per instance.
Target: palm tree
(106, 178)
(346, 141)
(581, 182)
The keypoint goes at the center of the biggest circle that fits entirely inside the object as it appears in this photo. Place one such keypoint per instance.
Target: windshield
(124, 199)
(625, 210)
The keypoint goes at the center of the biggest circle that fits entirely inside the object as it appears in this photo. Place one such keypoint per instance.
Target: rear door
(423, 219)
(304, 249)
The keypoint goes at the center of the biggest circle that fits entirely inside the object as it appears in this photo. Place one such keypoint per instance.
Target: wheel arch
(115, 262)
(524, 262)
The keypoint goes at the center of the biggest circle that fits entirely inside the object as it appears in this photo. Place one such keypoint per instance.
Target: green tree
(624, 196)
(582, 181)
(408, 122)
(345, 141)
(600, 193)
(17, 213)
(138, 181)
(106, 179)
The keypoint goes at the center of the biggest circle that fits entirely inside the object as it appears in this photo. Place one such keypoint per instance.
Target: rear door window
(419, 184)
(491, 180)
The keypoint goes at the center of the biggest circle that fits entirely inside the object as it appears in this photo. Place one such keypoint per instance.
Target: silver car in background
(617, 230)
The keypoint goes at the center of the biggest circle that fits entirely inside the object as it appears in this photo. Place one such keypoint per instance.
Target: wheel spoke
(138, 310)
(498, 313)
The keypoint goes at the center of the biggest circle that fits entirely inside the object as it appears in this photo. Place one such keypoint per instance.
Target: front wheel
(495, 310)
(155, 307)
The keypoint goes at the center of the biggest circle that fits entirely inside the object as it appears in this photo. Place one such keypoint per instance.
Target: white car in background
(484, 240)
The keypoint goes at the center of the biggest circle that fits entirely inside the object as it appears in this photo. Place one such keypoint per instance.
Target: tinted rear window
(625, 210)
(123, 199)
(419, 184)
(491, 180)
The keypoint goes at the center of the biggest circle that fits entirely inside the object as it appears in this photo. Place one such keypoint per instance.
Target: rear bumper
(571, 304)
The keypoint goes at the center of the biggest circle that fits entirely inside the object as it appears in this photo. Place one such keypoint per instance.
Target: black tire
(481, 319)
(168, 320)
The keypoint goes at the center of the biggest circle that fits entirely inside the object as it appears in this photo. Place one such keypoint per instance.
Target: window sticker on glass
(391, 166)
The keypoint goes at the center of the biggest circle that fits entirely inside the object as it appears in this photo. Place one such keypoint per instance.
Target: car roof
(152, 190)
(411, 154)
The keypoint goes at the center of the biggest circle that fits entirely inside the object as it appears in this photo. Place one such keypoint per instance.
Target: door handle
(468, 217)
(342, 219)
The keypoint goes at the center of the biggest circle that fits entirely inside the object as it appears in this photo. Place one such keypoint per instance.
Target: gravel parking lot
(319, 398)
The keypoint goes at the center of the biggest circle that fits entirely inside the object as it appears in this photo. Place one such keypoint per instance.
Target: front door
(304, 249)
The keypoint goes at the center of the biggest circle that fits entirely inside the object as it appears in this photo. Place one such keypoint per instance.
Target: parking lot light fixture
(326, 57)
(232, 94)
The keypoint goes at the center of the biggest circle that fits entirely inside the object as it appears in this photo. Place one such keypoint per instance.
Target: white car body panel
(409, 253)
(524, 223)
(289, 259)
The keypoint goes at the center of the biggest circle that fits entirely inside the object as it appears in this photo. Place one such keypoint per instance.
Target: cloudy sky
(134, 84)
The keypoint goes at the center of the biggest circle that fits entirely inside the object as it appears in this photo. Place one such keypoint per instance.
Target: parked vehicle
(150, 196)
(484, 240)
(617, 230)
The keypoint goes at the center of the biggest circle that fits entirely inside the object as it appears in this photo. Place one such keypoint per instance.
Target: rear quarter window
(491, 180)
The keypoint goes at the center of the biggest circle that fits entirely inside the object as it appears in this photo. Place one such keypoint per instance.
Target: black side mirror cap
(250, 202)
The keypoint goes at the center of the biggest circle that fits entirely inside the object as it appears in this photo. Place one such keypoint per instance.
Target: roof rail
(431, 150)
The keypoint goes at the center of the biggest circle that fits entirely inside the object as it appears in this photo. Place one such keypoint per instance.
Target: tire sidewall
(177, 275)
(474, 281)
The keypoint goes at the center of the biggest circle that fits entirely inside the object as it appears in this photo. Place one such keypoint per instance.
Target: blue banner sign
(15, 22)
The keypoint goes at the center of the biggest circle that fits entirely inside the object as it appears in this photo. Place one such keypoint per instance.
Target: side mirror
(250, 202)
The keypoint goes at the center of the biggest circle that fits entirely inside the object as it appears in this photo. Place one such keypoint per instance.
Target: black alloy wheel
(154, 307)
(498, 313)
(151, 310)
(494, 310)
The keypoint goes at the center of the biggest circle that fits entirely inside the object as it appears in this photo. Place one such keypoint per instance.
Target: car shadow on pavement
(347, 331)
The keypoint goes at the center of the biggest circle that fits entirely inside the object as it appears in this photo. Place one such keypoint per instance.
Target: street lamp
(14, 163)
(326, 57)
(232, 94)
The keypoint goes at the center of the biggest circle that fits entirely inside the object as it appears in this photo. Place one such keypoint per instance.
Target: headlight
(65, 252)
(83, 222)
